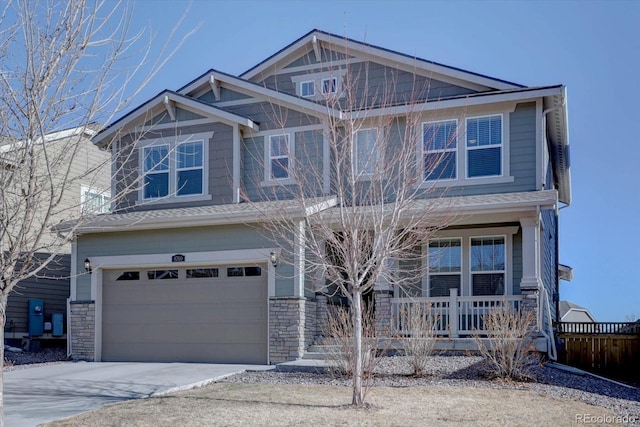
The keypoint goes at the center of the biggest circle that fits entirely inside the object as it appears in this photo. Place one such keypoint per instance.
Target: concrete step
(323, 348)
(314, 355)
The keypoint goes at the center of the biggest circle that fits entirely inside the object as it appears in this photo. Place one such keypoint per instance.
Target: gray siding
(327, 56)
(550, 258)
(375, 85)
(52, 287)
(225, 95)
(180, 114)
(183, 241)
(220, 167)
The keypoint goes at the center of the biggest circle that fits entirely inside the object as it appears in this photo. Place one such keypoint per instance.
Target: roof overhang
(239, 213)
(315, 38)
(168, 101)
(557, 129)
(565, 272)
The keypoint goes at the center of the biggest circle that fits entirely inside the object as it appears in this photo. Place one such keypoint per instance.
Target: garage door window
(162, 274)
(129, 275)
(244, 271)
(197, 273)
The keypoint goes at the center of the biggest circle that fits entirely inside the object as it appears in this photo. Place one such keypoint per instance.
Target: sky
(592, 47)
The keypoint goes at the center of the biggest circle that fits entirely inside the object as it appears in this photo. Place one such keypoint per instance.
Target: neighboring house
(570, 312)
(84, 190)
(179, 271)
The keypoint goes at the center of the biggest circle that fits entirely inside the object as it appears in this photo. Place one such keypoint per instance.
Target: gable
(181, 115)
(226, 95)
(327, 56)
(312, 46)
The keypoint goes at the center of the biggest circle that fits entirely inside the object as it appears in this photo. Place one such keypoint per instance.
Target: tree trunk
(3, 319)
(358, 395)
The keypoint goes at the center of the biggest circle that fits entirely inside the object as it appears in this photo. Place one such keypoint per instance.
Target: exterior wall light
(273, 257)
(87, 265)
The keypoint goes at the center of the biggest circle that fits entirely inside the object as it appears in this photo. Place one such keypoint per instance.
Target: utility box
(58, 324)
(36, 317)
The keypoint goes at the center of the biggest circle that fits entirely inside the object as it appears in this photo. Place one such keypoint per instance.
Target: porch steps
(320, 352)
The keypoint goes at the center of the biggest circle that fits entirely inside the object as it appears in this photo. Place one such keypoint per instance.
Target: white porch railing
(454, 315)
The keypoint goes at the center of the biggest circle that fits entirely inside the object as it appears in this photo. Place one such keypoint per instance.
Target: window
(445, 266)
(129, 275)
(439, 146)
(365, 151)
(244, 271)
(307, 89)
(94, 201)
(162, 274)
(175, 169)
(156, 171)
(488, 265)
(189, 165)
(484, 146)
(279, 156)
(197, 273)
(329, 85)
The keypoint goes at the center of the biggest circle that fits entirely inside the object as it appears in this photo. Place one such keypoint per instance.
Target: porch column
(236, 163)
(383, 292)
(299, 259)
(531, 282)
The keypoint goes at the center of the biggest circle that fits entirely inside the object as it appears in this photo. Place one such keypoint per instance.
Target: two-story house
(80, 172)
(179, 270)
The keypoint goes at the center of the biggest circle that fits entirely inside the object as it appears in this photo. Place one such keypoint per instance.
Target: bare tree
(378, 209)
(63, 65)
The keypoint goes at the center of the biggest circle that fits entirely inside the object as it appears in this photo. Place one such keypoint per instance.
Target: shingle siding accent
(83, 321)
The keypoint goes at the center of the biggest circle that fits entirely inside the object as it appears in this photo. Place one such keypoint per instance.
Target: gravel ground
(471, 371)
(14, 361)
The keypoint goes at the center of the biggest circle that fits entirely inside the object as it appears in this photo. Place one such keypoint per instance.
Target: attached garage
(215, 314)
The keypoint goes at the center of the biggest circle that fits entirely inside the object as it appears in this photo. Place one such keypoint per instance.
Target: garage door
(205, 314)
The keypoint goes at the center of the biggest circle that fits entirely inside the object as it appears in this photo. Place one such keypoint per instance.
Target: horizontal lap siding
(54, 290)
(183, 241)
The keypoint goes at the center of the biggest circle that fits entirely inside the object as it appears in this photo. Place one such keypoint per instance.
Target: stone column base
(82, 333)
(292, 326)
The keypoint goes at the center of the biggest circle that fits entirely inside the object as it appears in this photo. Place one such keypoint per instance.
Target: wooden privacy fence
(607, 348)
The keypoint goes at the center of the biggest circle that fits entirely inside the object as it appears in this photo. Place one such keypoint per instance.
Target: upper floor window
(488, 265)
(94, 201)
(279, 161)
(307, 89)
(484, 146)
(439, 148)
(174, 169)
(366, 154)
(329, 85)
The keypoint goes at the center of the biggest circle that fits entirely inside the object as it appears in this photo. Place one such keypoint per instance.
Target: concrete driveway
(41, 394)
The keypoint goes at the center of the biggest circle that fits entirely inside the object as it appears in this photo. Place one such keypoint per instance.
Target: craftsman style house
(179, 270)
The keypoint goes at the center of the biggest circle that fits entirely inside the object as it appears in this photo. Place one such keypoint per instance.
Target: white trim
(318, 79)
(326, 160)
(268, 179)
(299, 260)
(236, 180)
(508, 268)
(426, 289)
(466, 234)
(73, 280)
(455, 149)
(390, 58)
(503, 138)
(312, 86)
(295, 129)
(172, 143)
(100, 263)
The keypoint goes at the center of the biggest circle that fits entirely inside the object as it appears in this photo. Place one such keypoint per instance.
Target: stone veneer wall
(383, 312)
(292, 326)
(83, 330)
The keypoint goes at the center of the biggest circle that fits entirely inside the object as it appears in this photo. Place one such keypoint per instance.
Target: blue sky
(591, 47)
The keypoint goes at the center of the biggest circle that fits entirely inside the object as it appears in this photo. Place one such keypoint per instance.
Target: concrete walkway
(41, 394)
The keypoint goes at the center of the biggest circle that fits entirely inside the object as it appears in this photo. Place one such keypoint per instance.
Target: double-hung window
(156, 171)
(366, 154)
(488, 265)
(94, 201)
(439, 145)
(279, 161)
(445, 266)
(189, 168)
(307, 89)
(174, 169)
(484, 146)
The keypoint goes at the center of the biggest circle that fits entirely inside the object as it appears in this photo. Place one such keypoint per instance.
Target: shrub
(418, 346)
(506, 342)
